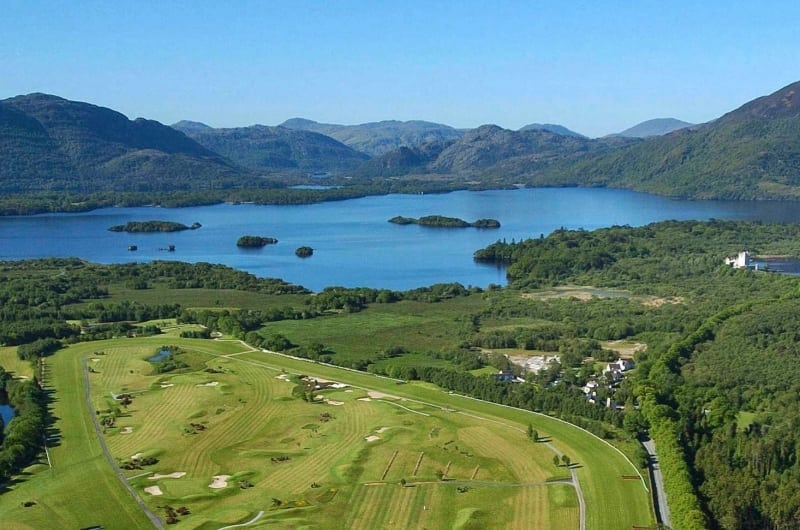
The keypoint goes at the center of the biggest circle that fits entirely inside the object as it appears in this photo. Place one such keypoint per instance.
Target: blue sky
(596, 67)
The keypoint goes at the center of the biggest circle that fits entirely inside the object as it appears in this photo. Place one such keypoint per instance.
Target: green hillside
(49, 143)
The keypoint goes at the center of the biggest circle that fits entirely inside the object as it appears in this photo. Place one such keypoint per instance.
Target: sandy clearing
(372, 438)
(176, 474)
(219, 482)
(625, 349)
(126, 430)
(153, 490)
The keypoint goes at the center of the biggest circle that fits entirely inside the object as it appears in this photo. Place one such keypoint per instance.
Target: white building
(740, 261)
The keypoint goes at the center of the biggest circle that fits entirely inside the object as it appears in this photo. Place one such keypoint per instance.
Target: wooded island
(441, 221)
(153, 226)
(255, 241)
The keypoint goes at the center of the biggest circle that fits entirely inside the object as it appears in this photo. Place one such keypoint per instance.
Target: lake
(7, 413)
(354, 244)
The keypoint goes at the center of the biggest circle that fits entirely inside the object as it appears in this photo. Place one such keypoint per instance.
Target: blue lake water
(160, 356)
(354, 244)
(7, 413)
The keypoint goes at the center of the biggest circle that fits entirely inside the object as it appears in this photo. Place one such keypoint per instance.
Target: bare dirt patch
(579, 292)
(625, 349)
(219, 482)
(153, 490)
(655, 301)
(176, 474)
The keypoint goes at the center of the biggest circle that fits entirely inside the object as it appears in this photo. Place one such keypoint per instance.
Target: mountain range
(265, 148)
(377, 138)
(48, 143)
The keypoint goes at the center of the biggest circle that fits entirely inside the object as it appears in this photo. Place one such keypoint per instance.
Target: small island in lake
(304, 252)
(153, 226)
(255, 241)
(444, 222)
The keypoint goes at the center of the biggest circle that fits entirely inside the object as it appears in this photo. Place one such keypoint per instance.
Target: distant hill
(752, 152)
(260, 147)
(488, 151)
(378, 138)
(402, 161)
(194, 126)
(49, 143)
(551, 127)
(656, 127)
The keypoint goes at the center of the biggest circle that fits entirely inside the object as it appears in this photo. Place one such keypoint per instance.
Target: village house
(507, 376)
(740, 261)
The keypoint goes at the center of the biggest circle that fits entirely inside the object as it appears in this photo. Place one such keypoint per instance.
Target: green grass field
(232, 422)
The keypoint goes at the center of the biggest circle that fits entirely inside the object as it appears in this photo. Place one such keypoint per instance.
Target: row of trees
(23, 436)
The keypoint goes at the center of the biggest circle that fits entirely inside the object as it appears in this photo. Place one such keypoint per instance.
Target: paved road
(659, 495)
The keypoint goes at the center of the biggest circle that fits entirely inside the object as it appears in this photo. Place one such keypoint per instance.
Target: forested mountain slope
(264, 148)
(752, 152)
(50, 143)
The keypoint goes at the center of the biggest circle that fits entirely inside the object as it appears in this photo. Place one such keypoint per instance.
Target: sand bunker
(337, 403)
(153, 490)
(176, 474)
(382, 430)
(365, 399)
(137, 456)
(210, 383)
(126, 430)
(220, 481)
(348, 391)
(283, 377)
(372, 438)
(95, 359)
(378, 395)
(166, 385)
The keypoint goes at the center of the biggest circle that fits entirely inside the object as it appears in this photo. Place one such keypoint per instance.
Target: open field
(238, 425)
(11, 363)
(417, 326)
